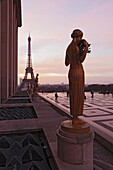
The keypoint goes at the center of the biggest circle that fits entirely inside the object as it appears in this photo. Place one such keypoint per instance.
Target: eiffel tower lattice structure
(29, 68)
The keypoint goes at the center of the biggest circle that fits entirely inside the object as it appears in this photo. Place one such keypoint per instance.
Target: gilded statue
(36, 86)
(75, 55)
(28, 86)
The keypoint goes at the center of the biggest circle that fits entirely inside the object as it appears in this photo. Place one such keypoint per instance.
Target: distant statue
(28, 86)
(75, 55)
(36, 86)
(31, 86)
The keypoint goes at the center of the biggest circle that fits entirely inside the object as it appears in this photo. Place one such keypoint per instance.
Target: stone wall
(10, 20)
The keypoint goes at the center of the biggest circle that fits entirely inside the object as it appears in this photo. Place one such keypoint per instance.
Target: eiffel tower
(29, 68)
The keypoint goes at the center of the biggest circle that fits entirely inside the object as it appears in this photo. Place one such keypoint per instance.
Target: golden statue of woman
(36, 86)
(75, 55)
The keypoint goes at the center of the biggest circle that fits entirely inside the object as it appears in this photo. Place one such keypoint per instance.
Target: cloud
(99, 68)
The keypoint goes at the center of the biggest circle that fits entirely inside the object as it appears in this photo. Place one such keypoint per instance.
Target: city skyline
(50, 24)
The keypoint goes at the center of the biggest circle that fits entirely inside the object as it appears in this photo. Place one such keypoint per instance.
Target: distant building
(10, 20)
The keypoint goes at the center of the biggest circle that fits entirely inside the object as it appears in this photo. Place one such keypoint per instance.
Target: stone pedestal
(75, 146)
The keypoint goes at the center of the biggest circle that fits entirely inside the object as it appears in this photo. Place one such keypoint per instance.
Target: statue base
(75, 144)
(76, 126)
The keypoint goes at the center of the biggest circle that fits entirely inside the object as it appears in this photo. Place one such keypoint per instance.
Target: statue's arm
(82, 58)
(67, 60)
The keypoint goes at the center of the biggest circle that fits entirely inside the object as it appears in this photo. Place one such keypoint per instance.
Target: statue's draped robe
(76, 80)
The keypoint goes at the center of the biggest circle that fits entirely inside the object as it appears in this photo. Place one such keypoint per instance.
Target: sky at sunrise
(50, 24)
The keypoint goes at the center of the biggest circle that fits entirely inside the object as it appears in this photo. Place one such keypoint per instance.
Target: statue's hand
(85, 43)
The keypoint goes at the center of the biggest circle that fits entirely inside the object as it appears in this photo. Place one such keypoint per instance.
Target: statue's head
(77, 33)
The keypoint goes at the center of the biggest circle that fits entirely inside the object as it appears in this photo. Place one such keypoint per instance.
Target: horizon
(68, 84)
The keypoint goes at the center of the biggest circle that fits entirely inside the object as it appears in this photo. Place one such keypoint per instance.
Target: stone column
(10, 47)
(16, 60)
(0, 53)
(75, 144)
(14, 47)
(5, 49)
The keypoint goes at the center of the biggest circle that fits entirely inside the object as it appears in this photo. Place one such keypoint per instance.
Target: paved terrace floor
(98, 112)
(49, 118)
